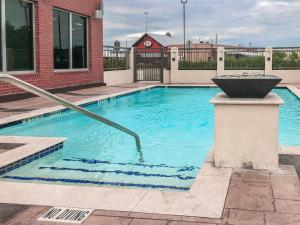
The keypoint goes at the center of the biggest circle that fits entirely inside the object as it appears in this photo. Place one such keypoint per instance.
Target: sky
(237, 22)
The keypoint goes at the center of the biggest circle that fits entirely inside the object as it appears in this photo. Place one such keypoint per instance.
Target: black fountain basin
(247, 86)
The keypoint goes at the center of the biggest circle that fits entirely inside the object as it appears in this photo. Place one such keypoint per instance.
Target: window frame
(71, 69)
(3, 40)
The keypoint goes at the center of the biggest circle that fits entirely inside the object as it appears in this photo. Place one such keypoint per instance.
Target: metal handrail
(44, 94)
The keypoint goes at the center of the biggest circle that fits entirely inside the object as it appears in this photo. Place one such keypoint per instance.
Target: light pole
(146, 14)
(184, 2)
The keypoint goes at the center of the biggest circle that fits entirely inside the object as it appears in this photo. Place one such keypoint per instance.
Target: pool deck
(254, 197)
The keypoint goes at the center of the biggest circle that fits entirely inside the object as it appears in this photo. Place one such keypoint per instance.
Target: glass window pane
(79, 42)
(19, 35)
(61, 29)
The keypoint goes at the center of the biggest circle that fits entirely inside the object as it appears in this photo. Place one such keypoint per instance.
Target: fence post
(132, 63)
(268, 60)
(220, 61)
(174, 62)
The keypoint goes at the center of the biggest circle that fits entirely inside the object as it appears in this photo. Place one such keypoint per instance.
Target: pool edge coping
(34, 148)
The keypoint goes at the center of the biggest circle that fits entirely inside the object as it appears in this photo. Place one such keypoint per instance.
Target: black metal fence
(198, 59)
(149, 64)
(286, 58)
(244, 59)
(116, 58)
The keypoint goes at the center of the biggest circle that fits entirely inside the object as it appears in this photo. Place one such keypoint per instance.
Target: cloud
(263, 22)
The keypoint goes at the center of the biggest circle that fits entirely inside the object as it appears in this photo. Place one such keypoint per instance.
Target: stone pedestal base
(246, 132)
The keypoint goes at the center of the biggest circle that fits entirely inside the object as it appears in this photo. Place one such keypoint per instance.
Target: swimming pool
(176, 130)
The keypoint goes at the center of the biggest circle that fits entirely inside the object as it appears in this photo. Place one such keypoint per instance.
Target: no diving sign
(66, 215)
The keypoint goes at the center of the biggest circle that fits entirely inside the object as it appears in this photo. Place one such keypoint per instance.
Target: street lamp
(184, 2)
(146, 14)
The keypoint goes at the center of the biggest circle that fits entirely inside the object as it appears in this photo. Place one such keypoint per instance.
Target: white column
(220, 61)
(246, 132)
(268, 60)
(174, 62)
(131, 62)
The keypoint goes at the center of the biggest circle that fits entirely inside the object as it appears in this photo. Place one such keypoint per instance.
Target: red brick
(44, 76)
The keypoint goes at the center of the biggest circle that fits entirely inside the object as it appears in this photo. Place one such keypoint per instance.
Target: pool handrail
(44, 94)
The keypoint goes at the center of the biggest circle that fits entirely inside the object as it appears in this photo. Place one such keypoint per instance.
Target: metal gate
(149, 64)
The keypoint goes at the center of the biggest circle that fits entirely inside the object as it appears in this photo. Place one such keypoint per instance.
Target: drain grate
(66, 215)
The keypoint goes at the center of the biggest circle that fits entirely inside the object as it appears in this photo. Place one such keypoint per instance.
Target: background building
(153, 41)
(51, 44)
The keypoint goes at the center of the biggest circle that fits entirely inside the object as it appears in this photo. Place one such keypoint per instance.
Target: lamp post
(146, 14)
(184, 2)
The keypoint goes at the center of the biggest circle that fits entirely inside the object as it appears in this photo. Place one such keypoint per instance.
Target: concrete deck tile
(222, 220)
(289, 150)
(208, 169)
(99, 212)
(71, 196)
(286, 187)
(106, 220)
(245, 217)
(205, 199)
(154, 216)
(250, 196)
(287, 206)
(252, 176)
(281, 219)
(148, 222)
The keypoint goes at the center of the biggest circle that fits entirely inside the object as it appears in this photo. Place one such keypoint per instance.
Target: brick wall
(45, 77)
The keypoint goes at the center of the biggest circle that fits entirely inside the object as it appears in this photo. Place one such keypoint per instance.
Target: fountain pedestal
(246, 132)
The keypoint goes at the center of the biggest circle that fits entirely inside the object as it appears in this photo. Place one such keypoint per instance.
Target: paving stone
(245, 217)
(110, 213)
(106, 220)
(154, 216)
(286, 159)
(19, 221)
(250, 196)
(188, 223)
(8, 211)
(33, 212)
(285, 170)
(222, 220)
(252, 176)
(282, 219)
(286, 187)
(298, 170)
(149, 222)
(287, 206)
(296, 160)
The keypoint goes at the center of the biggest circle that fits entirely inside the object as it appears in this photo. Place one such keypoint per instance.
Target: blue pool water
(176, 130)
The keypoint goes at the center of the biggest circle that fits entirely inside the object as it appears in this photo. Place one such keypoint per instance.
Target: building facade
(152, 42)
(51, 43)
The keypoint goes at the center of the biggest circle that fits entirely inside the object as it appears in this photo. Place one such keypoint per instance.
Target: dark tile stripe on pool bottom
(100, 183)
(129, 173)
(94, 161)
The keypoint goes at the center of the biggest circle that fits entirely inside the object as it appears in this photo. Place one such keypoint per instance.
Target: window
(70, 40)
(17, 36)
(61, 26)
(79, 41)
